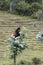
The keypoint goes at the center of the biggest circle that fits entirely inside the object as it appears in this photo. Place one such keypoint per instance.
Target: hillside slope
(8, 23)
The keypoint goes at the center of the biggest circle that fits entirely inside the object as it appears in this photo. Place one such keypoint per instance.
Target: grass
(8, 23)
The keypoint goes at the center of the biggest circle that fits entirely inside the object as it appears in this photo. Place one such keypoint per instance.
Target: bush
(26, 9)
(23, 8)
(23, 62)
(33, 16)
(36, 61)
(35, 6)
(31, 1)
(4, 4)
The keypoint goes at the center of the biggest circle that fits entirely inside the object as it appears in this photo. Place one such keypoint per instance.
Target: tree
(13, 3)
(4, 4)
(17, 45)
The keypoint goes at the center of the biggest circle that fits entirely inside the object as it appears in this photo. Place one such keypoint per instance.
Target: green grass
(35, 48)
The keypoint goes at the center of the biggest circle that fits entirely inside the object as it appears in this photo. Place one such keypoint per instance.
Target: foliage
(22, 7)
(31, 1)
(33, 16)
(17, 44)
(36, 6)
(23, 62)
(27, 9)
(4, 4)
(36, 61)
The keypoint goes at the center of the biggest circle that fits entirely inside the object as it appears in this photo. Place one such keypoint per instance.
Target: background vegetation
(26, 7)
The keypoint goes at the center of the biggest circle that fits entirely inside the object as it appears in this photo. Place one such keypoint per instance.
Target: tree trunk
(15, 59)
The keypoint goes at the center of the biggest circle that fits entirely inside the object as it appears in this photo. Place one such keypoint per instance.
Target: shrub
(23, 8)
(36, 61)
(31, 1)
(17, 45)
(23, 62)
(4, 4)
(35, 6)
(33, 16)
(27, 9)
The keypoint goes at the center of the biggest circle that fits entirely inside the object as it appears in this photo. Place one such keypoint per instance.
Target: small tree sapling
(17, 44)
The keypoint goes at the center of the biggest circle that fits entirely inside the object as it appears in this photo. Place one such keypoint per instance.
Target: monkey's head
(18, 29)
